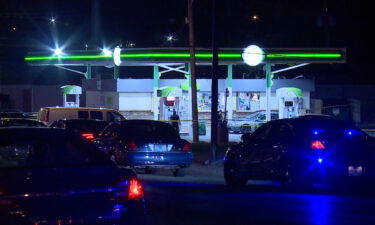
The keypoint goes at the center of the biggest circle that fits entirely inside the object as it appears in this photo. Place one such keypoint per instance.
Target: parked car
(89, 129)
(48, 115)
(19, 122)
(52, 176)
(250, 122)
(11, 113)
(302, 152)
(146, 144)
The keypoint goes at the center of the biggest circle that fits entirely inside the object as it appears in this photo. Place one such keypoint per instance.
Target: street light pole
(194, 107)
(214, 87)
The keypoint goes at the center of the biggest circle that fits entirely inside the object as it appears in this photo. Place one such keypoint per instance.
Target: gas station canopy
(174, 56)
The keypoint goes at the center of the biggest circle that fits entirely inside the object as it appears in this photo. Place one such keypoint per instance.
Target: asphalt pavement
(202, 198)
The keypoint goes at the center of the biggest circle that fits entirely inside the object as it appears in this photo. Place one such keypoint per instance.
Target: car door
(252, 152)
(274, 147)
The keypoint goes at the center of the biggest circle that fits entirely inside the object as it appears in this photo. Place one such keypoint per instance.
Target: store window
(248, 101)
(204, 101)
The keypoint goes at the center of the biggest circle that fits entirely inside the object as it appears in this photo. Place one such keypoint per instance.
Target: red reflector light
(135, 189)
(317, 145)
(131, 145)
(88, 136)
(187, 147)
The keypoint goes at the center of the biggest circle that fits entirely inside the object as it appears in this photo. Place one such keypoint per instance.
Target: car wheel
(179, 172)
(231, 175)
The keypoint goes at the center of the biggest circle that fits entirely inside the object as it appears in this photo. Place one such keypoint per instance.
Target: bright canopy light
(117, 56)
(253, 55)
(58, 51)
(106, 52)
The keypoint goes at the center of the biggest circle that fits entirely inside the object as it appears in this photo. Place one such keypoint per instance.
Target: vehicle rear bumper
(334, 174)
(160, 160)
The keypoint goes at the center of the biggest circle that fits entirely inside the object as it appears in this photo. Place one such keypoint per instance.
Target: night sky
(25, 26)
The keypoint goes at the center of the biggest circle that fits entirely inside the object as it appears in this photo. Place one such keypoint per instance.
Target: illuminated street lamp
(52, 20)
(170, 38)
(254, 18)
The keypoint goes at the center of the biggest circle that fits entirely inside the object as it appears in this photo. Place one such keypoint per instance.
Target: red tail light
(88, 136)
(317, 145)
(131, 145)
(187, 147)
(135, 189)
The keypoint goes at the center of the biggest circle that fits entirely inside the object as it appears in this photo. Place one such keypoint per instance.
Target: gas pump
(170, 104)
(71, 94)
(290, 102)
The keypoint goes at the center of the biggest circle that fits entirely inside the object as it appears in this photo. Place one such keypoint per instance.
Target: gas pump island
(164, 60)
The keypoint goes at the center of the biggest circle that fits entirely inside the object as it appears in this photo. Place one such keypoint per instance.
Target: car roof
(305, 118)
(83, 120)
(77, 108)
(32, 132)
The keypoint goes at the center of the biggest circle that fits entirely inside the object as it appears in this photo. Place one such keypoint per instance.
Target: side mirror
(246, 137)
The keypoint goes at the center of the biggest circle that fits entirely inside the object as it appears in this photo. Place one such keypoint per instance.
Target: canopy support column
(231, 105)
(155, 97)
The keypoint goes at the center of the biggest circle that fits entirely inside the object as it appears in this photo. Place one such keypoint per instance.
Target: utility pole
(214, 87)
(193, 78)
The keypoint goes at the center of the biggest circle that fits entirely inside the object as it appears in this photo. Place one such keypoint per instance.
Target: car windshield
(148, 130)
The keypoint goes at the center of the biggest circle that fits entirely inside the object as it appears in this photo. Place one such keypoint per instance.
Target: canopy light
(58, 51)
(117, 56)
(106, 52)
(253, 55)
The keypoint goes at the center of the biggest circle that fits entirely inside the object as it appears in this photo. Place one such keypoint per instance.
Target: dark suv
(302, 152)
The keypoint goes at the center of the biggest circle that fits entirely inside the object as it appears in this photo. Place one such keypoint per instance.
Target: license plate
(356, 171)
(160, 148)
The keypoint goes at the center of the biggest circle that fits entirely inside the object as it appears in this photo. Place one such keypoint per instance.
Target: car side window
(261, 117)
(281, 131)
(83, 114)
(262, 133)
(96, 115)
(112, 116)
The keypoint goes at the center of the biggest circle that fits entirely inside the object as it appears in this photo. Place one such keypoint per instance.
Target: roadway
(202, 198)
